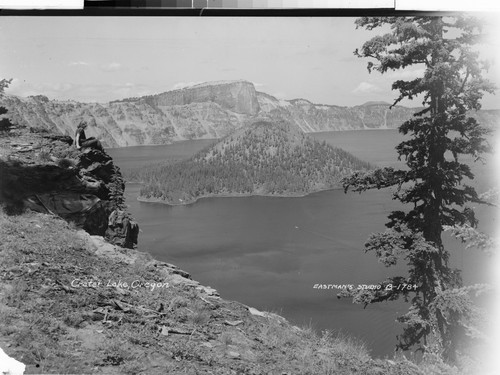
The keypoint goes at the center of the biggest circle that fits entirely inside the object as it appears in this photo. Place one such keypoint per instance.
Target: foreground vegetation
(56, 325)
(264, 158)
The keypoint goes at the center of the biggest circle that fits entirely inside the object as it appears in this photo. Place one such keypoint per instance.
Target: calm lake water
(269, 252)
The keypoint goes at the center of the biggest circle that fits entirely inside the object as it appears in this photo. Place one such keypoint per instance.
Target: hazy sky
(106, 58)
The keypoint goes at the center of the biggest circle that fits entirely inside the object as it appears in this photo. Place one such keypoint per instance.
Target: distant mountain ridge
(263, 158)
(203, 111)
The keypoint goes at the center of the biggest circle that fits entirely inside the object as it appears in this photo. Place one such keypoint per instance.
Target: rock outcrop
(46, 174)
(209, 110)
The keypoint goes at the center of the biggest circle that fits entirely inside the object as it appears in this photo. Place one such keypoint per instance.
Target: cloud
(78, 63)
(111, 67)
(366, 88)
(406, 74)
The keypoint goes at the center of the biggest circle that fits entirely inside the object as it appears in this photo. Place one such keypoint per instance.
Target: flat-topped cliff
(236, 96)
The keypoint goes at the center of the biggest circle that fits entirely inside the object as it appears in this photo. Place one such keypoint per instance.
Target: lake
(269, 252)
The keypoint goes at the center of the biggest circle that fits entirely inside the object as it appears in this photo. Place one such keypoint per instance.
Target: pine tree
(442, 312)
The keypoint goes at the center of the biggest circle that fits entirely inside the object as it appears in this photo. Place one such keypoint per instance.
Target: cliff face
(239, 97)
(209, 110)
(44, 173)
(312, 117)
(200, 112)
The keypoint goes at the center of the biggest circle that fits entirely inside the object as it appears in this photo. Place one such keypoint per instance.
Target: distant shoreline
(218, 139)
(165, 144)
(231, 195)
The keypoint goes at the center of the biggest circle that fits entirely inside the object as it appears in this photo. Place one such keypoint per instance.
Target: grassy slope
(56, 328)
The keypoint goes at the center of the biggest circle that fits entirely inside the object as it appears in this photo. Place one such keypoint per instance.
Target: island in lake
(264, 158)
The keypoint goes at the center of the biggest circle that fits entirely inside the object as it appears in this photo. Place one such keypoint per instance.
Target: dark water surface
(269, 252)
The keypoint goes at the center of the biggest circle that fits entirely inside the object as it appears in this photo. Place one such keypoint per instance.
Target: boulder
(92, 184)
(57, 137)
(90, 156)
(103, 171)
(121, 229)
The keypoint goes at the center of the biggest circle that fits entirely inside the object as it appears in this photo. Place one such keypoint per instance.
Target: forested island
(264, 158)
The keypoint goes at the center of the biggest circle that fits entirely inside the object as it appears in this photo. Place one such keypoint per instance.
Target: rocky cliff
(209, 110)
(43, 172)
(236, 96)
(312, 117)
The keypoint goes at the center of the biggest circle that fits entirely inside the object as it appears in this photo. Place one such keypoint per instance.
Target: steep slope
(71, 303)
(264, 158)
(209, 110)
(122, 124)
(202, 111)
(312, 117)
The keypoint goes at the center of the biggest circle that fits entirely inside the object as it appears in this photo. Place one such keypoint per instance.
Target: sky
(98, 59)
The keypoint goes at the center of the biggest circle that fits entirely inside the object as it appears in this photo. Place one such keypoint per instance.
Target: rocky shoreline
(230, 195)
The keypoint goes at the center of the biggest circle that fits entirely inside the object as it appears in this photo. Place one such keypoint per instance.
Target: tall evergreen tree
(442, 312)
